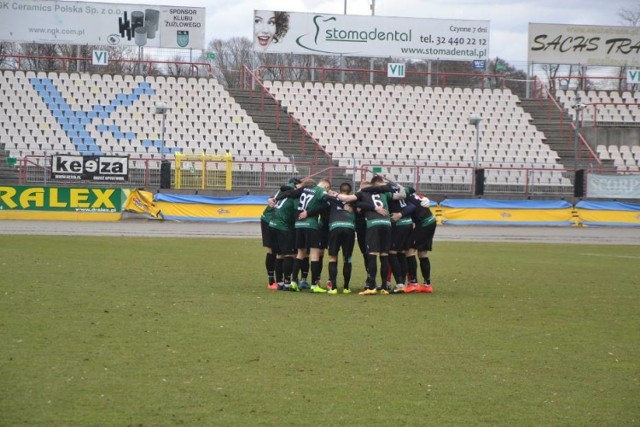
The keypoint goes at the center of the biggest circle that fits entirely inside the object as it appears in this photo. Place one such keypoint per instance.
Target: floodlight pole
(475, 121)
(477, 144)
(162, 109)
(162, 154)
(578, 107)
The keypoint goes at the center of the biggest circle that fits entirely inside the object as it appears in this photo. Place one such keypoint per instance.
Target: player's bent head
(307, 182)
(325, 184)
(345, 188)
(377, 179)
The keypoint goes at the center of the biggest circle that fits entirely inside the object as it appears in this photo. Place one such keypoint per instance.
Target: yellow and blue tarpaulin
(608, 213)
(507, 212)
(210, 209)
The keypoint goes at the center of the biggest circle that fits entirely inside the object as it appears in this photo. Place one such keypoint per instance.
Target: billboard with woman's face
(350, 35)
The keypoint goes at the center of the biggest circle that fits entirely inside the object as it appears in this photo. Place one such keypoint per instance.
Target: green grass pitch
(101, 331)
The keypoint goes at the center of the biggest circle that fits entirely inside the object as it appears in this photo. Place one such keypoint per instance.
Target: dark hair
(294, 180)
(377, 179)
(345, 187)
(282, 25)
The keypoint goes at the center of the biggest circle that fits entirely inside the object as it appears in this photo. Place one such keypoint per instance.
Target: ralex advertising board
(105, 24)
(90, 168)
(584, 45)
(356, 35)
(63, 199)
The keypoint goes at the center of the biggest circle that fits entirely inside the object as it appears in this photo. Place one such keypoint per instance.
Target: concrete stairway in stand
(301, 156)
(558, 132)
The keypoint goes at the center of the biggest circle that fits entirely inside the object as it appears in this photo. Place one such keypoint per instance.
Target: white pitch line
(614, 256)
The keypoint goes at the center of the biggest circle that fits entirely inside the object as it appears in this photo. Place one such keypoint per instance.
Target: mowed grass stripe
(164, 331)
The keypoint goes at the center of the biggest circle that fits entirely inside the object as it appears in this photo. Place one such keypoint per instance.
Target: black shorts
(342, 238)
(324, 236)
(283, 242)
(307, 238)
(400, 236)
(378, 239)
(266, 234)
(422, 237)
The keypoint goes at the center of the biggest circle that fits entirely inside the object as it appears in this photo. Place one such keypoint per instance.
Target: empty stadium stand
(608, 107)
(100, 114)
(414, 134)
(399, 126)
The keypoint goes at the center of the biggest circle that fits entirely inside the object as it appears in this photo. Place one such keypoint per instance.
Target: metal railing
(22, 62)
(567, 129)
(267, 176)
(361, 75)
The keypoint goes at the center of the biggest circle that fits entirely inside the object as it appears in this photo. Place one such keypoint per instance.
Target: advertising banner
(90, 168)
(60, 203)
(113, 24)
(353, 35)
(613, 186)
(584, 44)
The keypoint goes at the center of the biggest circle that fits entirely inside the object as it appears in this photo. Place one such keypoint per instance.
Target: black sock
(270, 265)
(412, 269)
(287, 266)
(384, 270)
(372, 271)
(316, 270)
(402, 260)
(425, 268)
(346, 273)
(279, 269)
(333, 272)
(304, 268)
(394, 260)
(295, 269)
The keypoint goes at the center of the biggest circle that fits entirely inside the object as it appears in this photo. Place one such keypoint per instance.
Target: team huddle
(391, 224)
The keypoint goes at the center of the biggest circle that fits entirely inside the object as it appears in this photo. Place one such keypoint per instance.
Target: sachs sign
(90, 168)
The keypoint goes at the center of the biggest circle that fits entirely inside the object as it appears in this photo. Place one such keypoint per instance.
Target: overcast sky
(509, 19)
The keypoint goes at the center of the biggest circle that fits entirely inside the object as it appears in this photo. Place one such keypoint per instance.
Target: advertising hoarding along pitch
(105, 24)
(351, 35)
(584, 45)
(90, 168)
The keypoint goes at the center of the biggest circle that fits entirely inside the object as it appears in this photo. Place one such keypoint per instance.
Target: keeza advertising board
(90, 168)
(106, 24)
(354, 35)
(584, 44)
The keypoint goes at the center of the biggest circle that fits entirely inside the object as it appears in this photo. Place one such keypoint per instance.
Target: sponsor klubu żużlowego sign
(584, 44)
(104, 24)
(353, 35)
(90, 168)
(62, 199)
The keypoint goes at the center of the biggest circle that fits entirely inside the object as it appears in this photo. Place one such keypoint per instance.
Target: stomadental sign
(584, 44)
(113, 24)
(90, 168)
(353, 35)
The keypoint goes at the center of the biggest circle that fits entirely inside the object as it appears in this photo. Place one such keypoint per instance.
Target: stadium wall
(448, 212)
(611, 135)
(108, 204)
